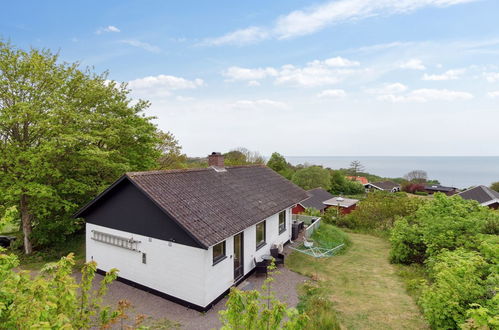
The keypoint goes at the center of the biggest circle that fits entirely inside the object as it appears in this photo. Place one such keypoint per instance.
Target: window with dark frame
(218, 252)
(260, 235)
(282, 222)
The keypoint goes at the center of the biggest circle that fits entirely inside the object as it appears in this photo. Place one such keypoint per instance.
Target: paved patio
(284, 287)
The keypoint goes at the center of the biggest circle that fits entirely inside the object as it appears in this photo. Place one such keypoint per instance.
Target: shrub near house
(459, 244)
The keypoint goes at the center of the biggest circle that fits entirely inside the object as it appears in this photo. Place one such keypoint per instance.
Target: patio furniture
(278, 257)
(260, 267)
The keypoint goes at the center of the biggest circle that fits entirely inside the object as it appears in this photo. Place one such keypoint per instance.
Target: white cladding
(178, 270)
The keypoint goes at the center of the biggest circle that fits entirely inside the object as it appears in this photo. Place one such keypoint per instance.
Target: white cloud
(389, 89)
(258, 104)
(239, 37)
(313, 19)
(141, 44)
(491, 77)
(413, 64)
(253, 83)
(493, 94)
(109, 28)
(426, 95)
(161, 85)
(313, 74)
(332, 93)
(447, 75)
(340, 62)
(239, 73)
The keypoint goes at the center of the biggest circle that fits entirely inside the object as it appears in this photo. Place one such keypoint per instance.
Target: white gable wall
(178, 270)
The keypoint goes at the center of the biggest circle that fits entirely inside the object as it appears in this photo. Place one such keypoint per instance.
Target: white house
(190, 235)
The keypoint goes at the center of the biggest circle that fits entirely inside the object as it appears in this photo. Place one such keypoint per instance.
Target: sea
(456, 171)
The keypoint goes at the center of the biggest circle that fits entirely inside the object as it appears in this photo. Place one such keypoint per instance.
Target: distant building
(431, 189)
(345, 205)
(359, 179)
(483, 195)
(383, 186)
(316, 201)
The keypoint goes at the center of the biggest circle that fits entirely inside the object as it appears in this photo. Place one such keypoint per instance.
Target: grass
(365, 288)
(328, 236)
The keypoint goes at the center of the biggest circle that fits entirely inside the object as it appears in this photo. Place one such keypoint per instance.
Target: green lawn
(365, 288)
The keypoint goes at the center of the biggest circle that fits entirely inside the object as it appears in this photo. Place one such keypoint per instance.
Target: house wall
(298, 209)
(172, 268)
(178, 270)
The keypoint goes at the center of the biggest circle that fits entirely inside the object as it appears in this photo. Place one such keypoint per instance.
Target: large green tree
(312, 177)
(65, 133)
(278, 163)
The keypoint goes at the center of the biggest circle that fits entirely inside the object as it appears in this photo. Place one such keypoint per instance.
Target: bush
(457, 282)
(421, 193)
(380, 210)
(329, 237)
(312, 177)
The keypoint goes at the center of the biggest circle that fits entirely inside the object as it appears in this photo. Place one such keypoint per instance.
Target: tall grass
(315, 303)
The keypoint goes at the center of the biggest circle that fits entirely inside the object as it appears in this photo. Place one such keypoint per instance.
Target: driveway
(158, 308)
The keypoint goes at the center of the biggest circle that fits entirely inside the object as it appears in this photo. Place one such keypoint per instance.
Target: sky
(303, 78)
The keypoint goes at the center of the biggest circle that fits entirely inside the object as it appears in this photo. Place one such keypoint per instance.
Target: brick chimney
(216, 159)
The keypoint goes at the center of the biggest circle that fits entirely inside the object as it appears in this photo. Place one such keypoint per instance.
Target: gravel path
(158, 308)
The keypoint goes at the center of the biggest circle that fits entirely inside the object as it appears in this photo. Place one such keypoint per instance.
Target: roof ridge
(182, 170)
(487, 191)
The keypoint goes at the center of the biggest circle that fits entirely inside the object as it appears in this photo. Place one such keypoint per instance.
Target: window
(218, 252)
(282, 222)
(144, 258)
(260, 235)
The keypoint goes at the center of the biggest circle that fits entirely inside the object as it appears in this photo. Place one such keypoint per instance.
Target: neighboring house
(483, 195)
(431, 189)
(190, 235)
(383, 185)
(359, 179)
(316, 199)
(345, 205)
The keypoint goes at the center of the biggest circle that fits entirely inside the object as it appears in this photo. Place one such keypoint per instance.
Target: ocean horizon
(457, 171)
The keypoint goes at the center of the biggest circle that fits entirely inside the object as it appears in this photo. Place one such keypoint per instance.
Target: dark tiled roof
(385, 185)
(213, 205)
(439, 188)
(316, 199)
(481, 194)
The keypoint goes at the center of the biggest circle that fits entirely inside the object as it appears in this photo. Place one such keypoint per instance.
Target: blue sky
(343, 77)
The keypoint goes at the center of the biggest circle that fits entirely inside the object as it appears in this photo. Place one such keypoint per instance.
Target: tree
(355, 168)
(416, 176)
(495, 186)
(312, 177)
(171, 152)
(278, 163)
(65, 134)
(243, 156)
(340, 185)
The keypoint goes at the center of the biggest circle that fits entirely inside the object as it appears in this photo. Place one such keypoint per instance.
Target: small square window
(144, 258)
(218, 252)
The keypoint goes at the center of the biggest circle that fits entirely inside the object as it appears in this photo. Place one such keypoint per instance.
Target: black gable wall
(126, 208)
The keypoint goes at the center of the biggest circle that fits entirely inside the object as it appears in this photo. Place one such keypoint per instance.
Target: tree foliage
(458, 242)
(312, 177)
(355, 168)
(243, 156)
(54, 299)
(380, 210)
(416, 176)
(340, 185)
(255, 310)
(278, 163)
(65, 134)
(171, 152)
(495, 186)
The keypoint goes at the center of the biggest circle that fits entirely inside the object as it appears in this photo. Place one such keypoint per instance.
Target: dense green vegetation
(457, 242)
(66, 134)
(328, 236)
(379, 211)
